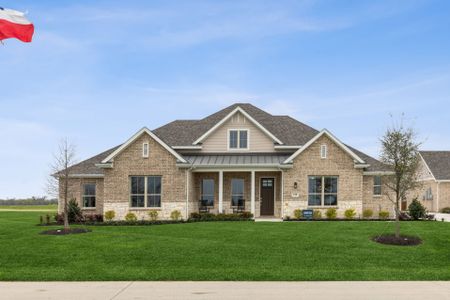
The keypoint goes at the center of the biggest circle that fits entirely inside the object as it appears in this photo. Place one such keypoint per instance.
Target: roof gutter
(379, 173)
(105, 165)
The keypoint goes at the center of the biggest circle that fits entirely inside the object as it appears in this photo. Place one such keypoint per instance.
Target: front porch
(230, 191)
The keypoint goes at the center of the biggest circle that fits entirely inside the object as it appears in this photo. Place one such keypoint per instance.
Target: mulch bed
(64, 231)
(403, 240)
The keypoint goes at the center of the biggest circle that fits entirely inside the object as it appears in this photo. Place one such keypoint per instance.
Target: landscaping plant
(130, 217)
(317, 214)
(153, 215)
(297, 213)
(350, 214)
(74, 211)
(383, 214)
(367, 213)
(110, 215)
(331, 213)
(417, 210)
(175, 215)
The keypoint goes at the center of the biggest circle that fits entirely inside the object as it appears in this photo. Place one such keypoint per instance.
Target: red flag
(13, 24)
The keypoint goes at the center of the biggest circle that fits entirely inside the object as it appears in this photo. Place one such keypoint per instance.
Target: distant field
(51, 207)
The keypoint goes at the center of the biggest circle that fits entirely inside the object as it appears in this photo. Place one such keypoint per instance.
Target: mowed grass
(50, 207)
(222, 251)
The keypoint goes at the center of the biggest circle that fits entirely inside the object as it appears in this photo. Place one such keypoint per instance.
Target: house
(240, 158)
(434, 173)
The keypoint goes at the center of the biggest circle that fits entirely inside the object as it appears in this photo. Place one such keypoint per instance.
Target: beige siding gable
(424, 172)
(218, 140)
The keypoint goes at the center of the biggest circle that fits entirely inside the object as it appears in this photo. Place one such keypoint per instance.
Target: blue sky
(98, 71)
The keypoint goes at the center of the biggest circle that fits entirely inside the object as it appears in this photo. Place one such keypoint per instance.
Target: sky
(98, 71)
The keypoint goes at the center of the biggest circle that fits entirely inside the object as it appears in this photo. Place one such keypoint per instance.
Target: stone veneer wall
(75, 188)
(131, 163)
(309, 163)
(374, 202)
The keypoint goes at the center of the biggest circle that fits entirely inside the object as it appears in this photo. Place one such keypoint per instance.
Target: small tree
(58, 183)
(417, 210)
(400, 151)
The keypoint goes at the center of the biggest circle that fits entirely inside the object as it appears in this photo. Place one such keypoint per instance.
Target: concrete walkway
(226, 290)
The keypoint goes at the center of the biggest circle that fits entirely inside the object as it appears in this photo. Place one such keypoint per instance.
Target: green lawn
(222, 251)
(50, 207)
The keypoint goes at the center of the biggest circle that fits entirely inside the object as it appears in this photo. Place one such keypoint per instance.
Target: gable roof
(438, 162)
(287, 130)
(227, 117)
(334, 139)
(136, 136)
(88, 166)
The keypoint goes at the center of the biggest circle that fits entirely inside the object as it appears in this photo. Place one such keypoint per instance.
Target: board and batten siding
(218, 140)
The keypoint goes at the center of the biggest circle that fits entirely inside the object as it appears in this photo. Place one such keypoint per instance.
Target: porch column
(252, 195)
(220, 192)
(282, 194)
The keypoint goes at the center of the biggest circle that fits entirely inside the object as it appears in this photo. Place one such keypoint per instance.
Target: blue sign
(307, 214)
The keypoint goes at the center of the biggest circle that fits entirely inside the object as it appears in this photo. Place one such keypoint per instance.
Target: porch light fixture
(295, 185)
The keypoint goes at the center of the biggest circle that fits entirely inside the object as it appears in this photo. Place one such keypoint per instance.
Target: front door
(267, 196)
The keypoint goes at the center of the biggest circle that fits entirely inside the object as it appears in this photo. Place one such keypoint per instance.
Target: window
(322, 190)
(428, 194)
(89, 195)
(237, 191)
(323, 151)
(238, 139)
(377, 185)
(145, 191)
(207, 192)
(145, 150)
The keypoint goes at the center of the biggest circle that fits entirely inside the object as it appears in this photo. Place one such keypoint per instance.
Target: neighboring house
(238, 159)
(434, 173)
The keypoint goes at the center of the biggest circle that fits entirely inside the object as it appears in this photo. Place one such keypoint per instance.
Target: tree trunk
(397, 216)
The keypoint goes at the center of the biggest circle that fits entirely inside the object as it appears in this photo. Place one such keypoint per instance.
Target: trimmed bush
(317, 214)
(367, 213)
(350, 214)
(297, 213)
(153, 215)
(74, 211)
(110, 215)
(416, 210)
(383, 214)
(175, 215)
(244, 216)
(331, 213)
(130, 217)
(445, 210)
(93, 218)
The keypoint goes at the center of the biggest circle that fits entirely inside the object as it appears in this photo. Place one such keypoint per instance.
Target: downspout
(437, 196)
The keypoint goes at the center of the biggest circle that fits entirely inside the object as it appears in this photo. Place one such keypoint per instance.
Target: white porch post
(220, 192)
(252, 197)
(282, 194)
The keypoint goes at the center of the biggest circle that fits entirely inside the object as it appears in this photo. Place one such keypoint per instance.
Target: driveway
(226, 290)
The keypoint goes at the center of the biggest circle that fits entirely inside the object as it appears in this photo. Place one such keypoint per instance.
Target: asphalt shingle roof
(184, 132)
(438, 162)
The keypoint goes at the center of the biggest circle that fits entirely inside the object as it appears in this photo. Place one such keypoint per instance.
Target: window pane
(154, 201)
(138, 185)
(377, 190)
(207, 192)
(207, 200)
(242, 139)
(237, 186)
(233, 139)
(89, 189)
(154, 184)
(315, 185)
(137, 201)
(330, 184)
(314, 200)
(89, 201)
(330, 200)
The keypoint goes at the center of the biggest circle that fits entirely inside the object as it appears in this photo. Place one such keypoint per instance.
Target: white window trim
(144, 145)
(322, 192)
(238, 139)
(146, 194)
(375, 185)
(323, 151)
(83, 195)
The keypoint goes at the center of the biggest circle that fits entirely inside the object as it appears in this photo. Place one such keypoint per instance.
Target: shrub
(47, 218)
(317, 214)
(220, 217)
(74, 211)
(331, 213)
(130, 217)
(94, 218)
(110, 215)
(367, 213)
(175, 215)
(383, 214)
(350, 213)
(416, 210)
(297, 213)
(41, 220)
(246, 215)
(153, 215)
(445, 210)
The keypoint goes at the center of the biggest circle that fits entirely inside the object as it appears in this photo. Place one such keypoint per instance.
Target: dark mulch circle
(403, 240)
(64, 231)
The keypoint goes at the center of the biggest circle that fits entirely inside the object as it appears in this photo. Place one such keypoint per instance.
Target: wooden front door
(267, 196)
